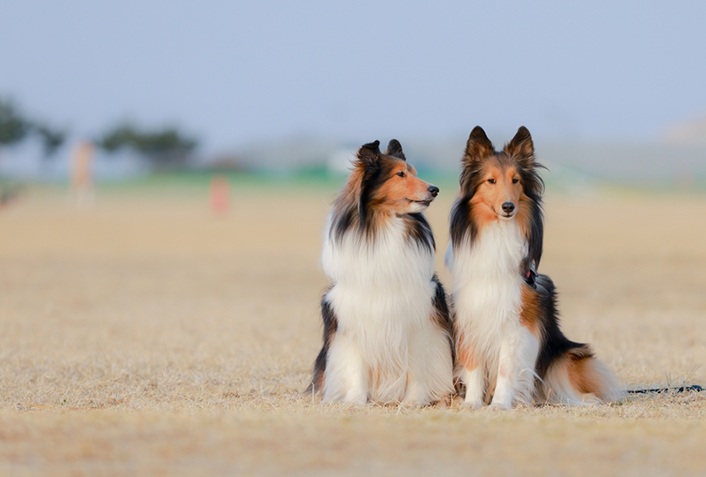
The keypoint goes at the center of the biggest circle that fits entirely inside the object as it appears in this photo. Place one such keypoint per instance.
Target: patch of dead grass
(145, 335)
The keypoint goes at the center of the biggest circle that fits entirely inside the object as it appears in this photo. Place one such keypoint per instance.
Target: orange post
(220, 195)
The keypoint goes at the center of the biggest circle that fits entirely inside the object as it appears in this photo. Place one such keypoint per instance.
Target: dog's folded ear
(394, 148)
(478, 146)
(521, 145)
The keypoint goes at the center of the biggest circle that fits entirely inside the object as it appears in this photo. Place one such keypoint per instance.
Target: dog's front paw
(498, 405)
(356, 398)
(351, 398)
(473, 404)
(411, 404)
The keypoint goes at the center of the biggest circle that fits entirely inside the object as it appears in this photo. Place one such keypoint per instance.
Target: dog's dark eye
(401, 174)
(491, 180)
(515, 181)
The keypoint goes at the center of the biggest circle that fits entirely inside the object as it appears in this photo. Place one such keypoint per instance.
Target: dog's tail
(578, 378)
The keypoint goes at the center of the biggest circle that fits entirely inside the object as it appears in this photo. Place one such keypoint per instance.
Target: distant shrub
(163, 148)
(14, 129)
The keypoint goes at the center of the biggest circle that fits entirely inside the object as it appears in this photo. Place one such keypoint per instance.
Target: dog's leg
(346, 377)
(472, 371)
(416, 394)
(430, 375)
(474, 380)
(417, 389)
(518, 354)
(431, 356)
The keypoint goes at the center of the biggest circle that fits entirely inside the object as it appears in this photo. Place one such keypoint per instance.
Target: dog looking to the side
(387, 331)
(509, 348)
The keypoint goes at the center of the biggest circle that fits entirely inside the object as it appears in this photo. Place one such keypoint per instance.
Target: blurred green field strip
(320, 180)
(196, 182)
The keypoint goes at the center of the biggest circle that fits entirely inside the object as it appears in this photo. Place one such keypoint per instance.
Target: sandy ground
(146, 336)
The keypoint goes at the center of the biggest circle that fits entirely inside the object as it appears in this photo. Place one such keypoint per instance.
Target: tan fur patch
(318, 382)
(583, 377)
(524, 214)
(465, 353)
(501, 184)
(352, 188)
(531, 314)
(482, 214)
(441, 322)
(397, 192)
(376, 377)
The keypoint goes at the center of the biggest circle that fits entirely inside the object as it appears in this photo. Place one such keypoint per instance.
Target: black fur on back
(554, 344)
(519, 152)
(356, 208)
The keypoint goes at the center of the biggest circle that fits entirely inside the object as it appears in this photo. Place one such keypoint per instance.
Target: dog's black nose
(433, 190)
(508, 207)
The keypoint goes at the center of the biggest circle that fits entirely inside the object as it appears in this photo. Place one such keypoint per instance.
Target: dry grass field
(145, 336)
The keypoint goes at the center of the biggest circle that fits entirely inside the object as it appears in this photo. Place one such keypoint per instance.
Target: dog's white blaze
(487, 298)
(387, 347)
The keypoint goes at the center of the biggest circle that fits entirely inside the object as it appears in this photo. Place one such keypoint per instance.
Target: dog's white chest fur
(487, 297)
(381, 288)
(383, 299)
(487, 292)
(389, 263)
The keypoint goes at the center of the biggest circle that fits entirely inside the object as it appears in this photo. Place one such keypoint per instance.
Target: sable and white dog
(509, 347)
(387, 330)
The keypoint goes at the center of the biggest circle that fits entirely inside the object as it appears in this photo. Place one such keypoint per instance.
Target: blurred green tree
(164, 148)
(52, 139)
(13, 128)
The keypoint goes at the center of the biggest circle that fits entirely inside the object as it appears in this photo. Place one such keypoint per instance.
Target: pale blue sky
(243, 72)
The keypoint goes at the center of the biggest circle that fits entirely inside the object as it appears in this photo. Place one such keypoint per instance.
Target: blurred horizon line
(620, 159)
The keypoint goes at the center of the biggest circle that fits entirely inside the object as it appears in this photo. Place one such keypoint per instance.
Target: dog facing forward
(509, 347)
(387, 330)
